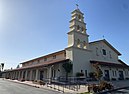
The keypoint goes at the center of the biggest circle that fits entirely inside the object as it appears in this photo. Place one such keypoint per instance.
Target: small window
(78, 27)
(84, 45)
(45, 59)
(83, 30)
(110, 54)
(97, 54)
(54, 57)
(78, 43)
(104, 51)
(79, 17)
(115, 73)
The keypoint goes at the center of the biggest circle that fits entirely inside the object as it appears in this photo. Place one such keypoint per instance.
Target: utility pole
(1, 66)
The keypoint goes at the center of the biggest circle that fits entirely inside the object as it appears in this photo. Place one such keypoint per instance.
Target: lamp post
(2, 66)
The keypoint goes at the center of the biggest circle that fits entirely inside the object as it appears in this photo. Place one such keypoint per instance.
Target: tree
(67, 67)
(98, 72)
(18, 66)
(92, 74)
(2, 66)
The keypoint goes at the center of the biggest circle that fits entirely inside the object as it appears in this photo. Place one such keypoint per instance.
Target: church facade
(80, 52)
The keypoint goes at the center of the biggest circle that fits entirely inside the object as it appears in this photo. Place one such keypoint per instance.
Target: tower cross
(77, 5)
(103, 36)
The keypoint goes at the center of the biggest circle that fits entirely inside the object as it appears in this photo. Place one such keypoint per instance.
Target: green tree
(67, 67)
(98, 72)
(18, 66)
(92, 74)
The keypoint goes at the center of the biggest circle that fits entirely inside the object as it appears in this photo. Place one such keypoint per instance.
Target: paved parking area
(119, 84)
(8, 87)
(121, 91)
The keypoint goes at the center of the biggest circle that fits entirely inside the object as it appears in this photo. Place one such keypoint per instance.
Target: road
(122, 91)
(8, 87)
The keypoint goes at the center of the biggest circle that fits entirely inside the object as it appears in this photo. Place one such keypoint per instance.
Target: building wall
(114, 72)
(80, 59)
(44, 59)
(97, 53)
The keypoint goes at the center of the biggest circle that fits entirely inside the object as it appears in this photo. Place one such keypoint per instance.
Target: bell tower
(77, 36)
(78, 51)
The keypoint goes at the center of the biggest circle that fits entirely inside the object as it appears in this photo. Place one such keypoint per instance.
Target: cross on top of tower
(103, 36)
(77, 5)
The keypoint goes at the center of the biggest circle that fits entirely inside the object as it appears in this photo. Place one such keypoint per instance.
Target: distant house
(80, 52)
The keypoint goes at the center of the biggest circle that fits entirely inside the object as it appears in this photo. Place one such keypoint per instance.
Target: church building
(80, 52)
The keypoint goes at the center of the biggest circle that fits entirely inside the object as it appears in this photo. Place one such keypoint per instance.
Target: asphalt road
(7, 87)
(121, 91)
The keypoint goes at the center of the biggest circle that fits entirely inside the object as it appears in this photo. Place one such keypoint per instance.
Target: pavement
(59, 89)
(9, 87)
(121, 91)
(120, 84)
(55, 88)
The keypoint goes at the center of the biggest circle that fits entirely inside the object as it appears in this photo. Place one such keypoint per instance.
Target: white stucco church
(80, 52)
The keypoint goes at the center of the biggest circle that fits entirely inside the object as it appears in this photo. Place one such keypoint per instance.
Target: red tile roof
(42, 64)
(62, 51)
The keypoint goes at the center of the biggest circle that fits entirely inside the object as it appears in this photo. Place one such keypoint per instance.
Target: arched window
(104, 51)
(97, 52)
(82, 30)
(78, 28)
(110, 54)
(79, 17)
(78, 43)
(84, 45)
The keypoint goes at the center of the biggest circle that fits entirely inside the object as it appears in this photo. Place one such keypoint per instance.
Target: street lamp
(2, 66)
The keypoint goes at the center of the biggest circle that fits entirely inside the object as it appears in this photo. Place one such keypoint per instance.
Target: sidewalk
(52, 87)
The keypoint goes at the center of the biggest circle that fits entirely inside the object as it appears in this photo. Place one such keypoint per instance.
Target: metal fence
(72, 83)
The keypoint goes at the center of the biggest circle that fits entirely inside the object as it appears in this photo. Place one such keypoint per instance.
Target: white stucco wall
(41, 60)
(80, 59)
(111, 56)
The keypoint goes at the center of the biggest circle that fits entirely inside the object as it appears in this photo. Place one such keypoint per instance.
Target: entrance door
(121, 76)
(24, 73)
(53, 75)
(41, 75)
(86, 73)
(107, 77)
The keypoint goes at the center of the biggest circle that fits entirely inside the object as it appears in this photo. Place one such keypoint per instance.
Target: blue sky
(32, 28)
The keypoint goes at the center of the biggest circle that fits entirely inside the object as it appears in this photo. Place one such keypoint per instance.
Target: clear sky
(33, 28)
